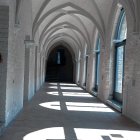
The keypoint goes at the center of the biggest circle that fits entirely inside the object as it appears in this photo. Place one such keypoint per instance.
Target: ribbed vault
(73, 21)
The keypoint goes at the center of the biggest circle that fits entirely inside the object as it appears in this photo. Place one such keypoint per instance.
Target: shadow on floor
(65, 111)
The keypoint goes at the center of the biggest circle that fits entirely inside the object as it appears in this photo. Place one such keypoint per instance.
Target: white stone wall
(4, 25)
(91, 72)
(38, 70)
(31, 87)
(13, 69)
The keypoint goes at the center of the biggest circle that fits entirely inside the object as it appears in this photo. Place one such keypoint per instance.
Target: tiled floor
(64, 111)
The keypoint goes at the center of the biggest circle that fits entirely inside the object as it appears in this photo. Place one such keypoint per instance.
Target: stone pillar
(29, 83)
(91, 72)
(77, 71)
(36, 68)
(131, 85)
(41, 69)
(82, 71)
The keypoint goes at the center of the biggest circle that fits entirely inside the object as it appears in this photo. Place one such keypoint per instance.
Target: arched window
(97, 64)
(120, 41)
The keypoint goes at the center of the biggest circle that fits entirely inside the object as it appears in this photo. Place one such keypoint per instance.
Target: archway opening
(59, 65)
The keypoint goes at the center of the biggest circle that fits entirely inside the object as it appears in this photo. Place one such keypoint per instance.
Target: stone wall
(4, 26)
(13, 75)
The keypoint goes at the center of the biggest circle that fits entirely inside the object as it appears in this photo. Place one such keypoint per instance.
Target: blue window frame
(60, 57)
(86, 72)
(97, 65)
(120, 37)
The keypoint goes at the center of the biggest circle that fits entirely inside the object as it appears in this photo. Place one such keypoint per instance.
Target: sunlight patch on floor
(54, 84)
(66, 84)
(76, 94)
(51, 105)
(101, 134)
(54, 87)
(56, 133)
(93, 107)
(53, 93)
(76, 106)
(71, 88)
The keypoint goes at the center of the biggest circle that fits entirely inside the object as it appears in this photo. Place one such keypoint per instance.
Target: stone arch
(60, 71)
(81, 11)
(71, 27)
(59, 36)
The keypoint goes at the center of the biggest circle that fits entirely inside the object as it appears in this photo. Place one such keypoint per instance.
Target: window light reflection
(54, 84)
(75, 106)
(66, 84)
(53, 93)
(58, 133)
(101, 134)
(55, 133)
(71, 88)
(54, 87)
(51, 105)
(76, 94)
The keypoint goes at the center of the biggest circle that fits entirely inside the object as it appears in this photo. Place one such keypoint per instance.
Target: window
(97, 65)
(86, 72)
(120, 41)
(60, 57)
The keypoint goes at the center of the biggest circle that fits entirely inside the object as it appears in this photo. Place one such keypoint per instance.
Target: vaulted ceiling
(70, 21)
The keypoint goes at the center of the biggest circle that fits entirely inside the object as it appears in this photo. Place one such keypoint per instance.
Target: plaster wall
(16, 59)
(4, 26)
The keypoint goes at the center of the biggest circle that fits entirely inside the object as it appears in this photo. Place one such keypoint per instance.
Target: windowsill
(114, 104)
(94, 93)
(83, 87)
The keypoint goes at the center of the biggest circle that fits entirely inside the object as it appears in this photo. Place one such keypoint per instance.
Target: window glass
(97, 67)
(121, 35)
(122, 27)
(119, 69)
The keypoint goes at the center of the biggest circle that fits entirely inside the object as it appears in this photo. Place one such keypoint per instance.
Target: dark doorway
(59, 66)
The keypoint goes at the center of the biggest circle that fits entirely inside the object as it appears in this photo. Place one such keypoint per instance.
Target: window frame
(118, 43)
(97, 64)
(116, 95)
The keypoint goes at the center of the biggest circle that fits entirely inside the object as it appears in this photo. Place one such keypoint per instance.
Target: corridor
(65, 111)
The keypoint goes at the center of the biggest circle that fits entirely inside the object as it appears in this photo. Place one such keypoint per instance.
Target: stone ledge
(94, 93)
(117, 106)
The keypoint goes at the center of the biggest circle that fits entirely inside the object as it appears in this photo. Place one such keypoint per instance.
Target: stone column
(38, 70)
(82, 70)
(29, 79)
(91, 71)
(77, 71)
(131, 85)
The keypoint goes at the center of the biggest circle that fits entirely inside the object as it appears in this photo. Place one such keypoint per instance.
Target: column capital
(29, 43)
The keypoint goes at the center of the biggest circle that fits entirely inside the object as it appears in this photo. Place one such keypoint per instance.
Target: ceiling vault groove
(74, 21)
(64, 23)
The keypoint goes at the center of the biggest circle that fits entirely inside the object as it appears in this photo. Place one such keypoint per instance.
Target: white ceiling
(73, 20)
